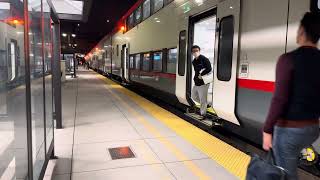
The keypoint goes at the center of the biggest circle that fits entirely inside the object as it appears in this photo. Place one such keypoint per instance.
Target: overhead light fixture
(75, 45)
(108, 20)
(64, 34)
(158, 21)
(73, 35)
(78, 25)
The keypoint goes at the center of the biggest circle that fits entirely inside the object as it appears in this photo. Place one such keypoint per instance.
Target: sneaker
(192, 110)
(202, 117)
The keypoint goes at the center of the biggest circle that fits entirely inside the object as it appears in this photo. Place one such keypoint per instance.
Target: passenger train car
(243, 39)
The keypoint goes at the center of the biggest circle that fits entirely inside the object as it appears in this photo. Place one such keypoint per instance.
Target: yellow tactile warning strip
(230, 158)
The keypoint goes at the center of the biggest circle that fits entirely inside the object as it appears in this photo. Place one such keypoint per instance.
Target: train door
(203, 34)
(226, 60)
(124, 66)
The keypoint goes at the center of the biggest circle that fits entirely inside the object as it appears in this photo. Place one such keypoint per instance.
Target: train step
(210, 121)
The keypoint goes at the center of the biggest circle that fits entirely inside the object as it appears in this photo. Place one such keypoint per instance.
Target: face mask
(196, 54)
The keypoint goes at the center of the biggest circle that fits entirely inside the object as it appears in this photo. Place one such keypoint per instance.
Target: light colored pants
(199, 94)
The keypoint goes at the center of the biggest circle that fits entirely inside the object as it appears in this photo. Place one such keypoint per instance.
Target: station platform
(100, 116)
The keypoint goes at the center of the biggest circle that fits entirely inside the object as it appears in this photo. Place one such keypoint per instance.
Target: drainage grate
(121, 153)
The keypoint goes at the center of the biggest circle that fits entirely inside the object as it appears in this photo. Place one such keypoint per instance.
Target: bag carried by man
(265, 169)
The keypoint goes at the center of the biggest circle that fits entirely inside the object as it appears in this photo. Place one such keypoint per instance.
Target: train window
(182, 52)
(166, 2)
(157, 5)
(130, 21)
(146, 9)
(225, 48)
(138, 16)
(131, 62)
(172, 60)
(137, 61)
(146, 62)
(117, 49)
(157, 61)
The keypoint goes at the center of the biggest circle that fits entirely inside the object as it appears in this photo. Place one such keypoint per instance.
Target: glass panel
(69, 63)
(131, 21)
(172, 61)
(138, 15)
(158, 4)
(48, 73)
(146, 62)
(166, 2)
(137, 61)
(13, 131)
(36, 76)
(157, 61)
(182, 52)
(146, 9)
(225, 48)
(131, 62)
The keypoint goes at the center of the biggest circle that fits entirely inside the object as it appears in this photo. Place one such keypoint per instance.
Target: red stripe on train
(267, 86)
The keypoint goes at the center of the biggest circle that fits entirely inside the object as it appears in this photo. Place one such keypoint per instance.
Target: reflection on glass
(131, 62)
(172, 60)
(48, 73)
(158, 4)
(146, 62)
(157, 61)
(37, 96)
(146, 9)
(138, 14)
(13, 127)
(137, 61)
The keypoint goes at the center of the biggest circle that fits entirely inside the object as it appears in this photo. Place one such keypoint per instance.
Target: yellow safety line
(230, 158)
(182, 157)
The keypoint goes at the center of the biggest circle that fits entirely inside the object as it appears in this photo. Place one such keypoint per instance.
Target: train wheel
(308, 156)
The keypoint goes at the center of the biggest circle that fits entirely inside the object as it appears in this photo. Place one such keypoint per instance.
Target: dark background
(89, 33)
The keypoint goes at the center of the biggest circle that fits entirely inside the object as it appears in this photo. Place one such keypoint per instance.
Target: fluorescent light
(64, 34)
(73, 35)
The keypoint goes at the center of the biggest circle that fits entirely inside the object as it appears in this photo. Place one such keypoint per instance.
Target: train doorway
(124, 64)
(203, 33)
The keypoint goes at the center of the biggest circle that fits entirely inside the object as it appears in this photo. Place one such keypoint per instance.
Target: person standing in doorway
(202, 66)
(293, 120)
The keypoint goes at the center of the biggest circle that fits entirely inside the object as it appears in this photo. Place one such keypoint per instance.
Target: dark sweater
(296, 101)
(201, 63)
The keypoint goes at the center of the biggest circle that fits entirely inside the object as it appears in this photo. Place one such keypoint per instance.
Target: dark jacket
(202, 63)
(296, 101)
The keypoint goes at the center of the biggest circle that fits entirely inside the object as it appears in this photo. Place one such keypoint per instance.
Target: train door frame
(124, 67)
(192, 21)
(225, 79)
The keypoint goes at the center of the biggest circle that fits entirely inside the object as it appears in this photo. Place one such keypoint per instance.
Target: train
(243, 39)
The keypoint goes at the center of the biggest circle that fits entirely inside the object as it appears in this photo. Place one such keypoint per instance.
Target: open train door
(226, 60)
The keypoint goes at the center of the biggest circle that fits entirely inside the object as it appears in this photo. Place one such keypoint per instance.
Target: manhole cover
(121, 153)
